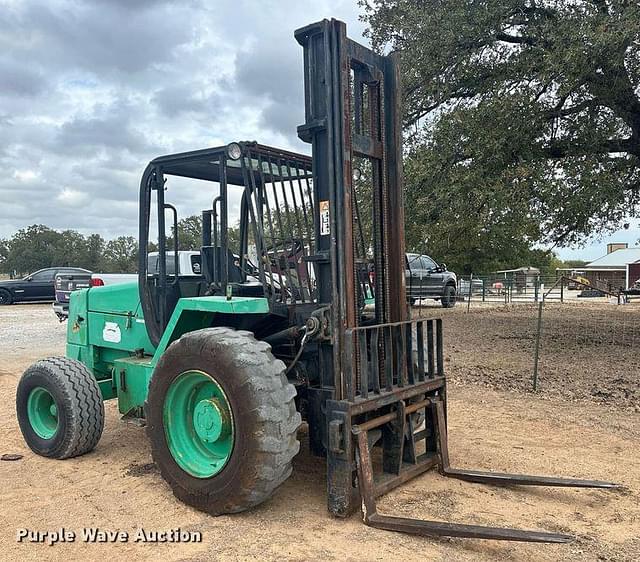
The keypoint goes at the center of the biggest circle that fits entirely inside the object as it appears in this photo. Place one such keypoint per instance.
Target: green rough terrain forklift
(304, 317)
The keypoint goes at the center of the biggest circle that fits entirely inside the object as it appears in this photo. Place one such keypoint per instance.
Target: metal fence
(495, 289)
(584, 349)
(601, 339)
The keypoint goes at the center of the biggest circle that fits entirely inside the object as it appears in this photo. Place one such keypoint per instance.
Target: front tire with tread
(79, 407)
(264, 416)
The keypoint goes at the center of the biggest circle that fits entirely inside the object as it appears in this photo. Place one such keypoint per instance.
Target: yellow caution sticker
(325, 219)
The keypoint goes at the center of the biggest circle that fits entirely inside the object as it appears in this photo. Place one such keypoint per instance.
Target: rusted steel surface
(392, 356)
(383, 378)
(442, 529)
(352, 111)
(500, 478)
(371, 486)
(505, 479)
(389, 398)
(369, 490)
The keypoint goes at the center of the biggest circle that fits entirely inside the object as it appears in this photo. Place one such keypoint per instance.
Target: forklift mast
(382, 380)
(352, 111)
(352, 115)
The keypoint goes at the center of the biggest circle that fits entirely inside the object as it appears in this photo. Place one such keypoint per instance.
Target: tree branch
(559, 111)
(515, 39)
(563, 148)
(601, 5)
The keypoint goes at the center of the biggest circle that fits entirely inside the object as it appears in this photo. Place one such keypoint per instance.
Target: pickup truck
(426, 279)
(65, 283)
(189, 263)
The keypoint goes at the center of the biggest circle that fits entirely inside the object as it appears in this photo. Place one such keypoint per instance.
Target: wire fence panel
(588, 349)
(497, 289)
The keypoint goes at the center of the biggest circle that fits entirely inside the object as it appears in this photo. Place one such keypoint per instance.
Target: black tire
(5, 297)
(263, 410)
(448, 299)
(80, 409)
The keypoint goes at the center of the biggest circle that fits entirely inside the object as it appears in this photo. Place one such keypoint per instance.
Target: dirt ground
(567, 432)
(587, 351)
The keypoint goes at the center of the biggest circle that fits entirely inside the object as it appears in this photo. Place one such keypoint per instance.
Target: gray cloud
(18, 79)
(96, 37)
(189, 97)
(91, 91)
(270, 72)
(108, 127)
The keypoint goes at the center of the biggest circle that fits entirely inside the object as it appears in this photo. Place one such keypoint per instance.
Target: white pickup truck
(189, 263)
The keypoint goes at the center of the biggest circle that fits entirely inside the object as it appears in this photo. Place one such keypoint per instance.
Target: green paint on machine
(106, 331)
(42, 412)
(196, 313)
(132, 376)
(198, 424)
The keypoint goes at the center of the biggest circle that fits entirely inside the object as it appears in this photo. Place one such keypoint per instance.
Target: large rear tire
(60, 408)
(222, 420)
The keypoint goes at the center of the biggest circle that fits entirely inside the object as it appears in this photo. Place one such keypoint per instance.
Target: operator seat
(212, 257)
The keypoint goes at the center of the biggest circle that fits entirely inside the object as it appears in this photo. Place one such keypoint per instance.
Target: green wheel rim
(42, 411)
(198, 424)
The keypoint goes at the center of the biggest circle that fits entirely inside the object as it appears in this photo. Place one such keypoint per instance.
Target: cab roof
(205, 164)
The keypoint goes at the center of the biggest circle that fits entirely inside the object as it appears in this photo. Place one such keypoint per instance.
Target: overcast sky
(91, 91)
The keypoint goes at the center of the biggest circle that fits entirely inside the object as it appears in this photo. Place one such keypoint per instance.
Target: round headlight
(234, 151)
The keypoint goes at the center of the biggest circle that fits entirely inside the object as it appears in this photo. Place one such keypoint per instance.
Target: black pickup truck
(426, 279)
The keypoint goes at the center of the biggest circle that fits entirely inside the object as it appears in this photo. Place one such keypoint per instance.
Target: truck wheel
(222, 420)
(60, 408)
(5, 297)
(448, 299)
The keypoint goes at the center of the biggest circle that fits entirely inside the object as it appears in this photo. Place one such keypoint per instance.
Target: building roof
(617, 259)
(532, 270)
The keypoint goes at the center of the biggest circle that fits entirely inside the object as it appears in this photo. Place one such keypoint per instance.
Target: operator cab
(266, 253)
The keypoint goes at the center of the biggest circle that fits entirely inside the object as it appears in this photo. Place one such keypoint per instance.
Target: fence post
(536, 288)
(537, 349)
(484, 281)
(562, 290)
(469, 296)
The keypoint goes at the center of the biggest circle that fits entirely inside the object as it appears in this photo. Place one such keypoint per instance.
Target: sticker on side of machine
(111, 332)
(325, 219)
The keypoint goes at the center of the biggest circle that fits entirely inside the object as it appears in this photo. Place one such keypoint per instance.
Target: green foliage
(4, 252)
(522, 120)
(39, 246)
(93, 252)
(189, 233)
(547, 263)
(121, 255)
(71, 248)
(33, 248)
